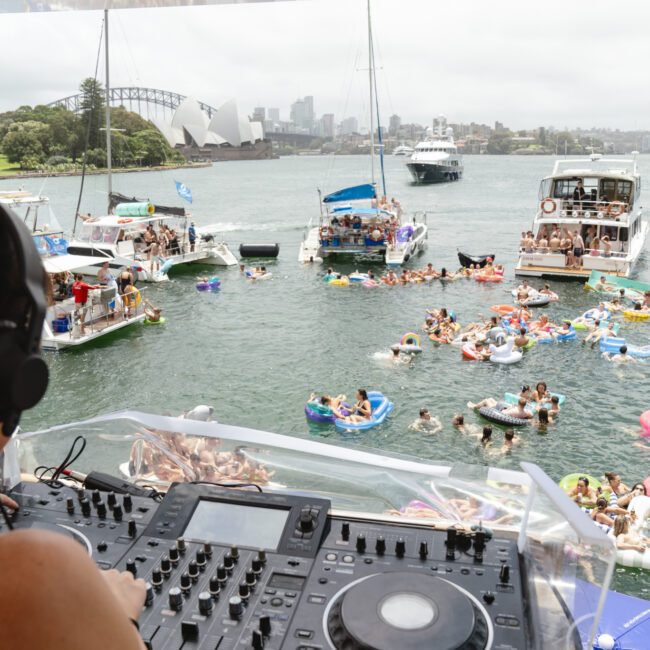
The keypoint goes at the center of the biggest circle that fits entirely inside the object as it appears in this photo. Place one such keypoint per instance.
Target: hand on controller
(128, 591)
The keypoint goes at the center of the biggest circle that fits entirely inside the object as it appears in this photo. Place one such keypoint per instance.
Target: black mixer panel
(238, 569)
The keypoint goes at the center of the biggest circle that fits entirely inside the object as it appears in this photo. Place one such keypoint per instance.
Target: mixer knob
(222, 574)
(257, 641)
(504, 574)
(244, 591)
(257, 566)
(234, 552)
(96, 496)
(117, 512)
(265, 625)
(235, 608)
(450, 543)
(251, 580)
(193, 570)
(214, 586)
(424, 550)
(488, 597)
(400, 547)
(156, 577)
(345, 531)
(180, 545)
(165, 565)
(228, 562)
(148, 600)
(69, 505)
(101, 509)
(200, 559)
(102, 546)
(361, 543)
(175, 599)
(85, 507)
(205, 603)
(81, 494)
(131, 568)
(380, 545)
(174, 555)
(132, 529)
(127, 503)
(207, 549)
(111, 499)
(306, 521)
(186, 581)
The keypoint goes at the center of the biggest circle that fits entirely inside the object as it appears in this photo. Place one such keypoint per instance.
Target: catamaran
(597, 199)
(355, 220)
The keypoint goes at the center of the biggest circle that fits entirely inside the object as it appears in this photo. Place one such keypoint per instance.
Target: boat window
(109, 235)
(610, 231)
(616, 190)
(544, 189)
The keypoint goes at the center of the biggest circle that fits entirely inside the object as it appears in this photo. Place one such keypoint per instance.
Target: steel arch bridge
(148, 96)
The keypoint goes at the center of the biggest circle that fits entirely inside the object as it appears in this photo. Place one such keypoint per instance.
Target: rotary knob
(207, 549)
(306, 521)
(380, 545)
(257, 641)
(400, 547)
(111, 499)
(200, 558)
(81, 494)
(250, 578)
(101, 509)
(345, 531)
(228, 562)
(257, 566)
(96, 496)
(222, 573)
(186, 582)
(156, 577)
(214, 586)
(117, 512)
(424, 550)
(180, 545)
(261, 556)
(127, 503)
(85, 507)
(234, 553)
(488, 597)
(148, 599)
(174, 555)
(175, 599)
(244, 590)
(69, 505)
(193, 570)
(165, 565)
(131, 567)
(132, 528)
(361, 543)
(205, 603)
(235, 608)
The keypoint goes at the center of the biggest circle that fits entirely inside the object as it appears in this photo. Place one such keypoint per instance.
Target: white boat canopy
(62, 263)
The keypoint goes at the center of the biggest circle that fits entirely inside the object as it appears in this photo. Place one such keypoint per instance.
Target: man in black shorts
(578, 249)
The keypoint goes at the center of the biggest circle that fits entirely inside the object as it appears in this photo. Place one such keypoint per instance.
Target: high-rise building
(259, 114)
(349, 125)
(327, 125)
(274, 114)
(302, 114)
(394, 123)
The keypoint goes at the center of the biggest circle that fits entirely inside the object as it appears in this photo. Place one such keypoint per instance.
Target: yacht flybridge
(596, 199)
(436, 159)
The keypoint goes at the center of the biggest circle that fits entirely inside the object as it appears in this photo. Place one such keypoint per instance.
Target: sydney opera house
(227, 135)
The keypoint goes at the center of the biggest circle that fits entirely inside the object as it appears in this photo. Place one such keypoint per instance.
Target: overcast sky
(557, 62)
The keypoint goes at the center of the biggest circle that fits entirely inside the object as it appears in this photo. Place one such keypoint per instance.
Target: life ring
(504, 310)
(545, 203)
(326, 233)
(125, 220)
(410, 338)
(616, 208)
(376, 235)
(469, 352)
(644, 420)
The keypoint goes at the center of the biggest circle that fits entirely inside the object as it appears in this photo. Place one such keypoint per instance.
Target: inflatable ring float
(540, 301)
(160, 321)
(499, 417)
(469, 352)
(504, 310)
(481, 277)
(636, 315)
(644, 420)
(410, 338)
(340, 282)
(571, 480)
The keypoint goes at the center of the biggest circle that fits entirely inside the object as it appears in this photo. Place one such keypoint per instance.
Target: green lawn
(7, 167)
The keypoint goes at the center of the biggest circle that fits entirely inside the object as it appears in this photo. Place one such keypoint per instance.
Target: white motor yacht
(597, 198)
(403, 150)
(436, 159)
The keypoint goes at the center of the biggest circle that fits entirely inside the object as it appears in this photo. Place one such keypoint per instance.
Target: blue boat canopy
(348, 209)
(356, 193)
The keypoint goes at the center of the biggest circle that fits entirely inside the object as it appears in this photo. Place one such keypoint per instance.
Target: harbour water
(255, 351)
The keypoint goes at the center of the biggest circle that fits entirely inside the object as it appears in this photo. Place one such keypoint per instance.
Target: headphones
(23, 372)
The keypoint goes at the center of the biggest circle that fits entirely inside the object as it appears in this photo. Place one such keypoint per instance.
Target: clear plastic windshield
(568, 560)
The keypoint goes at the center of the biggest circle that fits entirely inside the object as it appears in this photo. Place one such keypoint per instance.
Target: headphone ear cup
(29, 382)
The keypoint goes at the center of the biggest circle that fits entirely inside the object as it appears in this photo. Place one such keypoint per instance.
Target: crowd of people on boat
(161, 244)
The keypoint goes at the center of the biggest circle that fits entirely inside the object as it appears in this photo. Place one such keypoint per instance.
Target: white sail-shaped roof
(190, 117)
(245, 131)
(173, 136)
(226, 123)
(258, 131)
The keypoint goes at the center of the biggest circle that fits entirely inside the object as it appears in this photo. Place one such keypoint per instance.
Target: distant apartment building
(327, 125)
(394, 123)
(259, 114)
(273, 114)
(302, 114)
(349, 125)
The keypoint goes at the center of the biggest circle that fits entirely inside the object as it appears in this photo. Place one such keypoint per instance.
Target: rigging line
(90, 113)
(379, 138)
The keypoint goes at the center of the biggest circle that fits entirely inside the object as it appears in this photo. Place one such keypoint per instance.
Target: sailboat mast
(370, 79)
(108, 107)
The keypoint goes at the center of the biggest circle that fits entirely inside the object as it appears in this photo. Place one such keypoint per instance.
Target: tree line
(54, 138)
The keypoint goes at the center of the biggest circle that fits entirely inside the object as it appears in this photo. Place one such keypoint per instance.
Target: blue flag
(183, 191)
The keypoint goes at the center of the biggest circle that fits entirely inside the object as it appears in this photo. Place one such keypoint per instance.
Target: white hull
(401, 253)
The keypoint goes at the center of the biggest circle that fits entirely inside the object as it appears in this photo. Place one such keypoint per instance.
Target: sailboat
(355, 220)
(119, 237)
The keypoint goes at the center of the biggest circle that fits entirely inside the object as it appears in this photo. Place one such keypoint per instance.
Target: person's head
(509, 435)
(579, 183)
(621, 525)
(395, 350)
(639, 489)
(525, 390)
(583, 483)
(522, 331)
(543, 416)
(443, 313)
(78, 277)
(362, 394)
(541, 388)
(623, 350)
(263, 269)
(487, 433)
(621, 293)
(458, 420)
(555, 400)
(105, 265)
(443, 272)
(195, 459)
(637, 306)
(325, 400)
(601, 503)
(597, 322)
(478, 345)
(424, 414)
(612, 478)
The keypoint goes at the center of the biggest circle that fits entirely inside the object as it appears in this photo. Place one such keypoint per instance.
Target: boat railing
(569, 209)
(588, 252)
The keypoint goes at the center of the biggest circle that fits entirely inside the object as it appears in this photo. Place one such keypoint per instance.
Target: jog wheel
(408, 611)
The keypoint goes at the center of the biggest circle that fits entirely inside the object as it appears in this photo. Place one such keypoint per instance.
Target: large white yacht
(436, 158)
(597, 198)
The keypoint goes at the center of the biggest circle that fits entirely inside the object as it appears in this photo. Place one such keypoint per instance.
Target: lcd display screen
(229, 523)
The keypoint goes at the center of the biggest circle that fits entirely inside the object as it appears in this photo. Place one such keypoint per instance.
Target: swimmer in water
(426, 423)
(398, 357)
(509, 441)
(621, 357)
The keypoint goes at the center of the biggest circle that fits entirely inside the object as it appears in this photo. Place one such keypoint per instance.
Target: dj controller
(241, 569)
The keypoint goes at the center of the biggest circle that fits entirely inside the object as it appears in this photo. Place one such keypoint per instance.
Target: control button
(288, 604)
(69, 505)
(193, 570)
(131, 568)
(322, 581)
(270, 592)
(156, 577)
(81, 494)
(96, 496)
(367, 560)
(149, 596)
(256, 566)
(101, 509)
(117, 512)
(214, 587)
(174, 555)
(465, 571)
(205, 603)
(165, 565)
(488, 597)
(276, 602)
(304, 634)
(175, 599)
(200, 558)
(143, 509)
(290, 594)
(251, 580)
(190, 631)
(132, 531)
(228, 562)
(424, 550)
(317, 600)
(331, 557)
(234, 552)
(345, 531)
(257, 640)
(180, 545)
(235, 608)
(127, 503)
(85, 507)
(400, 547)
(110, 499)
(244, 591)
(265, 625)
(361, 543)
(504, 574)
(102, 546)
(222, 574)
(207, 549)
(348, 559)
(186, 582)
(306, 521)
(380, 545)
